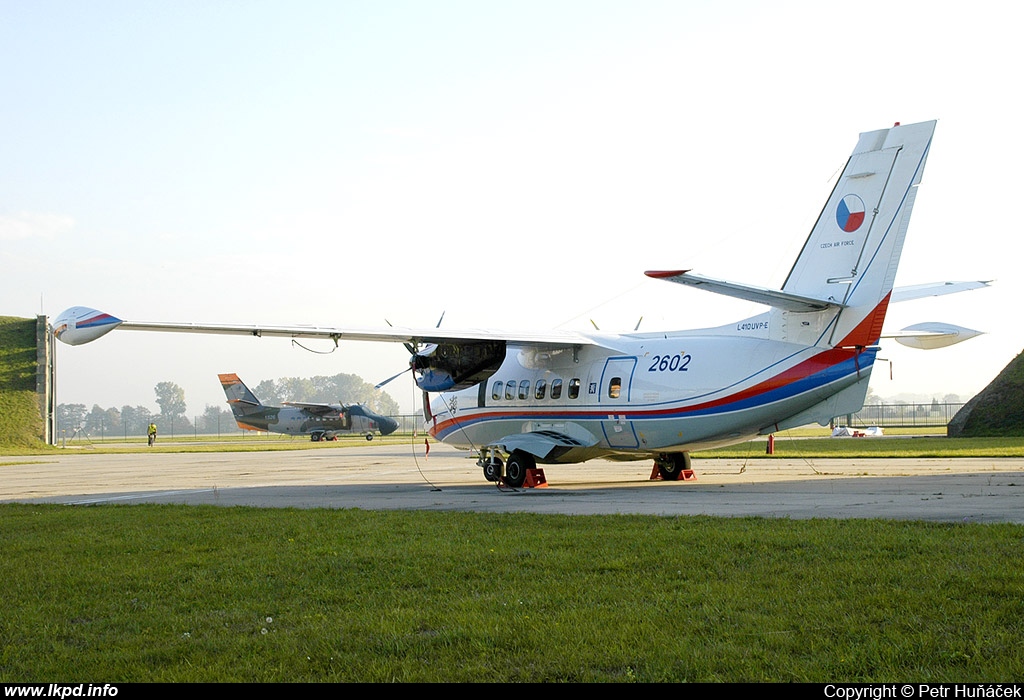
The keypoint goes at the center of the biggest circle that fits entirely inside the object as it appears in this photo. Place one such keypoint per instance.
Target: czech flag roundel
(850, 213)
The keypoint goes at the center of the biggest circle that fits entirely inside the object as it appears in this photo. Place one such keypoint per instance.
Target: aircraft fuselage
(297, 421)
(671, 394)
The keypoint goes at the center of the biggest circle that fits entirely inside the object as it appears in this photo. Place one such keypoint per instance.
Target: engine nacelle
(454, 366)
(80, 324)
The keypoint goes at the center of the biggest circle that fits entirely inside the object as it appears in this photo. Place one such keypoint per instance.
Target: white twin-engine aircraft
(568, 397)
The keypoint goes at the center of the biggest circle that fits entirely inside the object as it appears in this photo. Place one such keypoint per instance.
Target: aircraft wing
(394, 335)
(79, 325)
(442, 360)
(316, 408)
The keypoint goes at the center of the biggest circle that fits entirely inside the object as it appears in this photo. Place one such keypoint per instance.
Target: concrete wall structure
(46, 379)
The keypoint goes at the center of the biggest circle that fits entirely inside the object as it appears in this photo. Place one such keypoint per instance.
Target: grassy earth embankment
(21, 423)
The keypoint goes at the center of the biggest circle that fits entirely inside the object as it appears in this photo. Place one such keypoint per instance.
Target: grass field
(161, 593)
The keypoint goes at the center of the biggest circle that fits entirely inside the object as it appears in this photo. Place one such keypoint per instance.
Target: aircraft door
(614, 394)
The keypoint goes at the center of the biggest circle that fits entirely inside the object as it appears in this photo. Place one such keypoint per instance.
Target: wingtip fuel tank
(80, 324)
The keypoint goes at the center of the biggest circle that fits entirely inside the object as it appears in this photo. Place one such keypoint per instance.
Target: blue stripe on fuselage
(833, 373)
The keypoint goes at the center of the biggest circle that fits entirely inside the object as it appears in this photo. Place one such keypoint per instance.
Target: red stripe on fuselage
(865, 334)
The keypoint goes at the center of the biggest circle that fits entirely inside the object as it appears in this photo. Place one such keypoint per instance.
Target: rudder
(852, 253)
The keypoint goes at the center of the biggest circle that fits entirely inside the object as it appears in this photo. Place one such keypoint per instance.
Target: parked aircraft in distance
(318, 420)
(518, 399)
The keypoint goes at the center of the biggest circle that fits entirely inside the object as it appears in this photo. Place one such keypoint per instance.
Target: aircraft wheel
(492, 471)
(314, 437)
(515, 470)
(369, 436)
(671, 466)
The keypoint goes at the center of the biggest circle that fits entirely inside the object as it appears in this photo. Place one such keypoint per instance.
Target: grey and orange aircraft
(320, 421)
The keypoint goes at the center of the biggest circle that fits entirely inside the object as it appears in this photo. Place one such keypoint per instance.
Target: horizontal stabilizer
(934, 289)
(760, 295)
(929, 336)
(793, 302)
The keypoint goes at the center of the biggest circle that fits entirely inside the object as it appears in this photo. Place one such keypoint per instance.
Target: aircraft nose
(388, 426)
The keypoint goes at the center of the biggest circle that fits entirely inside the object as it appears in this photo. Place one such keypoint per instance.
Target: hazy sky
(511, 164)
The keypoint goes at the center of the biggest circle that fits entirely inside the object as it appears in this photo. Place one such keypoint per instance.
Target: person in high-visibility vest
(152, 433)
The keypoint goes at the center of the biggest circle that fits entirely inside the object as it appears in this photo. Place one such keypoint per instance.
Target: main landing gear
(521, 468)
(513, 472)
(673, 466)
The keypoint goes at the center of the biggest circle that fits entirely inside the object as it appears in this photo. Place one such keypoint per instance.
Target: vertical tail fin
(852, 253)
(242, 401)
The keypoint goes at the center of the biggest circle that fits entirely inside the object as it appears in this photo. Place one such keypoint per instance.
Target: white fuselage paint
(673, 394)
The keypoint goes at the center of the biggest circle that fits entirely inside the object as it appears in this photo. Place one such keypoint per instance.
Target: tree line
(173, 419)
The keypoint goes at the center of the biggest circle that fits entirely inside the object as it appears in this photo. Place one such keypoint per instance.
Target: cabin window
(556, 389)
(615, 387)
(541, 389)
(510, 391)
(574, 388)
(496, 391)
(524, 389)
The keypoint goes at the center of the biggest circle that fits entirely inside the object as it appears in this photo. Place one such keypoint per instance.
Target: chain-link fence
(901, 415)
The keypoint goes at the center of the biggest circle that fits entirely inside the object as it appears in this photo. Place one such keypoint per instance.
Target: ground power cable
(416, 459)
(499, 483)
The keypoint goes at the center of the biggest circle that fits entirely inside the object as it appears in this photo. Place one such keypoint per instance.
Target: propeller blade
(391, 379)
(427, 414)
(408, 346)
